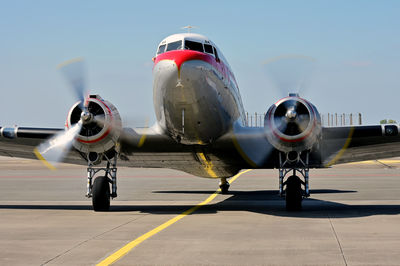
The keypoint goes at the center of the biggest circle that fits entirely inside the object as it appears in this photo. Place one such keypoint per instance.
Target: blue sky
(356, 45)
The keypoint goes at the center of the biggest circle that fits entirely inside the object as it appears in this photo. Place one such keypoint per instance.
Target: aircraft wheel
(294, 193)
(101, 194)
(224, 188)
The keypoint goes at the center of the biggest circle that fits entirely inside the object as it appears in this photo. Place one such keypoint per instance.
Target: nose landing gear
(101, 194)
(292, 188)
(99, 189)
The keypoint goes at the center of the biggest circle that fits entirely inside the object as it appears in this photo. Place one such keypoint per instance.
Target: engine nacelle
(101, 133)
(292, 124)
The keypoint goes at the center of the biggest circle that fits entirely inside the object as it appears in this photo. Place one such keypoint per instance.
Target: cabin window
(195, 46)
(174, 46)
(208, 48)
(161, 49)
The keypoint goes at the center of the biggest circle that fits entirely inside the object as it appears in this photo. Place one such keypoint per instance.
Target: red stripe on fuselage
(182, 56)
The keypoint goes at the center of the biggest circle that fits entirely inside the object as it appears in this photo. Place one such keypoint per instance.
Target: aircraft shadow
(262, 201)
(264, 192)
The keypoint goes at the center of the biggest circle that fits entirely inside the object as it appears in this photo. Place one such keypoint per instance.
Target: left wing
(359, 143)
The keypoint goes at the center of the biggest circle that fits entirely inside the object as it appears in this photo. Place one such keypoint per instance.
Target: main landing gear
(292, 188)
(224, 185)
(99, 189)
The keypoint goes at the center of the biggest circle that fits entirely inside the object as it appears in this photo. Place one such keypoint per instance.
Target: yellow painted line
(141, 141)
(343, 149)
(43, 160)
(376, 162)
(143, 137)
(389, 161)
(128, 247)
(208, 165)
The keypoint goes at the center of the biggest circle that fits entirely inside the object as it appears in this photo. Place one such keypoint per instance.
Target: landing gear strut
(292, 188)
(224, 185)
(99, 190)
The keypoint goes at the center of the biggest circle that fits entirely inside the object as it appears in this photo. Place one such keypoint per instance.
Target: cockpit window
(161, 49)
(174, 46)
(216, 54)
(208, 48)
(196, 46)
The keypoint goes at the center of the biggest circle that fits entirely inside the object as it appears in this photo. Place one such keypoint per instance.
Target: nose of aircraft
(181, 56)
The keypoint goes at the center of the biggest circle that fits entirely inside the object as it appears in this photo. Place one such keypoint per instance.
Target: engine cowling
(101, 127)
(292, 124)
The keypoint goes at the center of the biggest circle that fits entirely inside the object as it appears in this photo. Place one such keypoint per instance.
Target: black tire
(224, 188)
(101, 194)
(294, 194)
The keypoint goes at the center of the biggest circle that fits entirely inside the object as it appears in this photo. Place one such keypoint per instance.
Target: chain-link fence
(327, 120)
(335, 119)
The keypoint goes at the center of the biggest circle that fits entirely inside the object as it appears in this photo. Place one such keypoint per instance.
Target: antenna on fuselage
(189, 28)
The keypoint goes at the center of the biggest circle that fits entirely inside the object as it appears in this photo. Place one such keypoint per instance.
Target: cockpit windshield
(174, 46)
(195, 46)
(188, 43)
(161, 49)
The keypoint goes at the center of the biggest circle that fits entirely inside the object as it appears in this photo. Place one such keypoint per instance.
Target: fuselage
(195, 94)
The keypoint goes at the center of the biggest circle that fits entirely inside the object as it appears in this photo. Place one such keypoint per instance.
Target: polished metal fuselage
(194, 104)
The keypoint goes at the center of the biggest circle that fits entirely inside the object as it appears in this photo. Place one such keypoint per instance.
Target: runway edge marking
(128, 247)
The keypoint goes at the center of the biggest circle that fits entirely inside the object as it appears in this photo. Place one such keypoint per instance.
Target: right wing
(139, 147)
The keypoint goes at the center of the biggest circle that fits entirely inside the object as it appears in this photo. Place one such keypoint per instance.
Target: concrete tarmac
(351, 218)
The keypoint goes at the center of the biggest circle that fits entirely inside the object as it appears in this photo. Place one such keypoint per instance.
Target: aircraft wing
(139, 147)
(337, 145)
(242, 148)
(359, 143)
(20, 142)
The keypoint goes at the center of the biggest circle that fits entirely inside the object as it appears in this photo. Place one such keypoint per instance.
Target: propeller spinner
(292, 124)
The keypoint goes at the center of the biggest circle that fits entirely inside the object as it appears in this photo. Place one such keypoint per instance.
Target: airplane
(200, 129)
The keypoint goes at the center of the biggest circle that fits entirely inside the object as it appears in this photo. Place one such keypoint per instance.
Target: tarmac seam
(384, 164)
(337, 240)
(92, 238)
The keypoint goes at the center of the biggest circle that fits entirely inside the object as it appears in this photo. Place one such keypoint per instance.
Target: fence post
(336, 119)
(351, 119)
(329, 118)
(263, 119)
(322, 118)
(359, 119)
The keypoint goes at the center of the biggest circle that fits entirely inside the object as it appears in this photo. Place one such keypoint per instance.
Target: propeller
(89, 119)
(289, 73)
(54, 150)
(74, 72)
